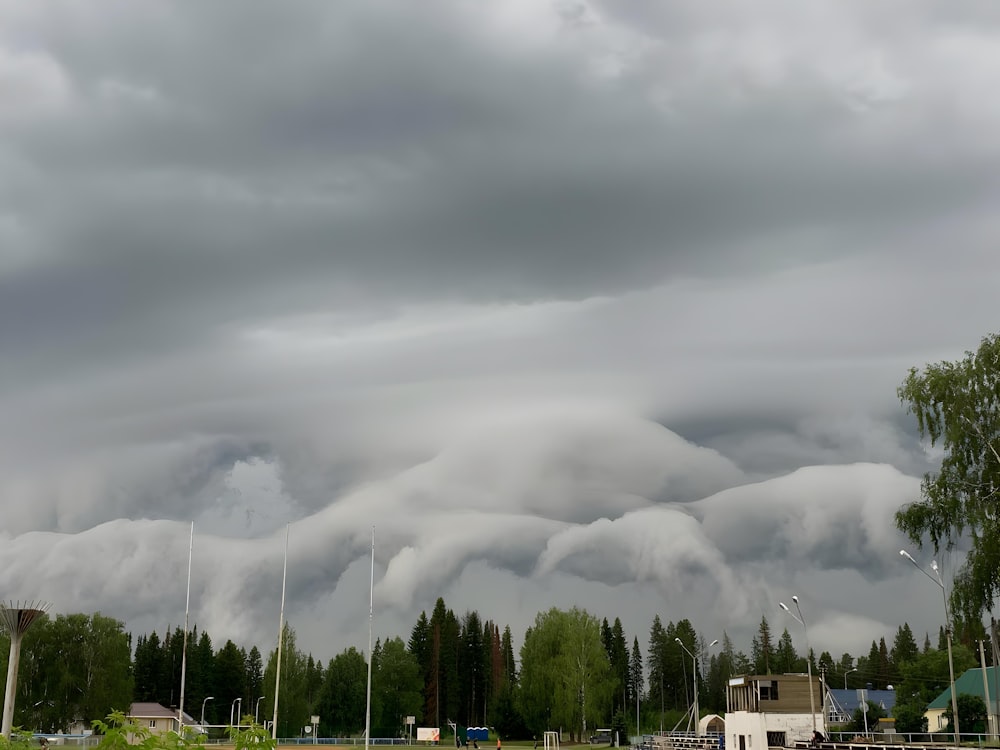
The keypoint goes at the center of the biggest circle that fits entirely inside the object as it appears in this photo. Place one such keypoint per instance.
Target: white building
(771, 711)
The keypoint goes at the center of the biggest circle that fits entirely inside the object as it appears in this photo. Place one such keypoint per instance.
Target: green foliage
(635, 682)
(910, 718)
(619, 727)
(921, 680)
(957, 406)
(971, 714)
(762, 648)
(72, 666)
(564, 672)
(904, 647)
(396, 688)
(118, 732)
(19, 740)
(858, 720)
(342, 699)
(657, 664)
(785, 656)
(618, 656)
(251, 737)
(293, 707)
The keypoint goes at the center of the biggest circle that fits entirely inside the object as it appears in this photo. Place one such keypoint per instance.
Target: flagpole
(187, 611)
(371, 618)
(281, 628)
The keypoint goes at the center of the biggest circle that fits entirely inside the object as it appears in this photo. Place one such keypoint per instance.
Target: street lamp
(947, 631)
(809, 672)
(256, 708)
(855, 669)
(234, 710)
(694, 672)
(209, 698)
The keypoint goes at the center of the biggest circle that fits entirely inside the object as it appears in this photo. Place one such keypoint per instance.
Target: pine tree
(635, 675)
(762, 648)
(904, 651)
(657, 658)
(619, 664)
(884, 665)
(785, 656)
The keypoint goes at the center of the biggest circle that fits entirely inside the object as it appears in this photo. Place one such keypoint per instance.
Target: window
(768, 690)
(152, 723)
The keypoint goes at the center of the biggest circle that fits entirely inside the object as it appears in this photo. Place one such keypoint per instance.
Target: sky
(576, 303)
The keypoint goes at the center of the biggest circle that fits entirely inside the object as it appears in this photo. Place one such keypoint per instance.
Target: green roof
(970, 683)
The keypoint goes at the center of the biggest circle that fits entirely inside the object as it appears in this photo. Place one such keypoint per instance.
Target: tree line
(572, 672)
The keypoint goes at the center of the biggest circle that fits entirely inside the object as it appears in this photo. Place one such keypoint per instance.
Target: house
(841, 704)
(772, 710)
(970, 683)
(159, 719)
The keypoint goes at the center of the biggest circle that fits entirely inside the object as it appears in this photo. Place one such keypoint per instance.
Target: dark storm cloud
(439, 267)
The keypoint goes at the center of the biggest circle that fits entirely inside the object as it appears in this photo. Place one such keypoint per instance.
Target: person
(498, 742)
(816, 738)
(43, 742)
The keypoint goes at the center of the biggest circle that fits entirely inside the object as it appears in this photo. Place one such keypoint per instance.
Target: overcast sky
(576, 302)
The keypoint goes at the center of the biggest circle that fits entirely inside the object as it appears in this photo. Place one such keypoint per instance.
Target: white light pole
(947, 631)
(855, 669)
(209, 698)
(256, 709)
(696, 711)
(809, 672)
(233, 711)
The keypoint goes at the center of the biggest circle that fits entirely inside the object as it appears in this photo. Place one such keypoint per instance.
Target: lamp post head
(784, 606)
(908, 556)
(678, 640)
(713, 643)
(795, 598)
(934, 566)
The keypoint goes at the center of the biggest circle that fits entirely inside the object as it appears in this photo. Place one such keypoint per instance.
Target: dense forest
(572, 671)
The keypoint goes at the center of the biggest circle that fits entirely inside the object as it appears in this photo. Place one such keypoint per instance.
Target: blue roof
(848, 699)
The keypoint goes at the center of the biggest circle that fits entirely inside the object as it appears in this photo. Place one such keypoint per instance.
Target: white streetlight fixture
(855, 669)
(256, 709)
(696, 711)
(947, 631)
(209, 698)
(809, 673)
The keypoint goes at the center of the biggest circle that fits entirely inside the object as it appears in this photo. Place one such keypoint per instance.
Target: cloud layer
(574, 301)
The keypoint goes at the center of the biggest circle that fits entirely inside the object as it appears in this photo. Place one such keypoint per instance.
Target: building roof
(156, 711)
(848, 700)
(970, 683)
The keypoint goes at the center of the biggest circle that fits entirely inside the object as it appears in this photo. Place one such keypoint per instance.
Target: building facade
(772, 710)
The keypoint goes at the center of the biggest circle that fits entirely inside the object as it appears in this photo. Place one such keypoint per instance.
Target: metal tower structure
(16, 618)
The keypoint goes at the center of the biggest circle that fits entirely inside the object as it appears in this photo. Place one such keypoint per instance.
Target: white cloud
(587, 300)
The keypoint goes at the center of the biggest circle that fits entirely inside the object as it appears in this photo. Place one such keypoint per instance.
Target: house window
(768, 690)
(152, 723)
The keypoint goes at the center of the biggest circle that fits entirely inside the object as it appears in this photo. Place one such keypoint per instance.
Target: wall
(755, 726)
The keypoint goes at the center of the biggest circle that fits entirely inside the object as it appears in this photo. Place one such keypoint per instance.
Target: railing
(835, 740)
(93, 740)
